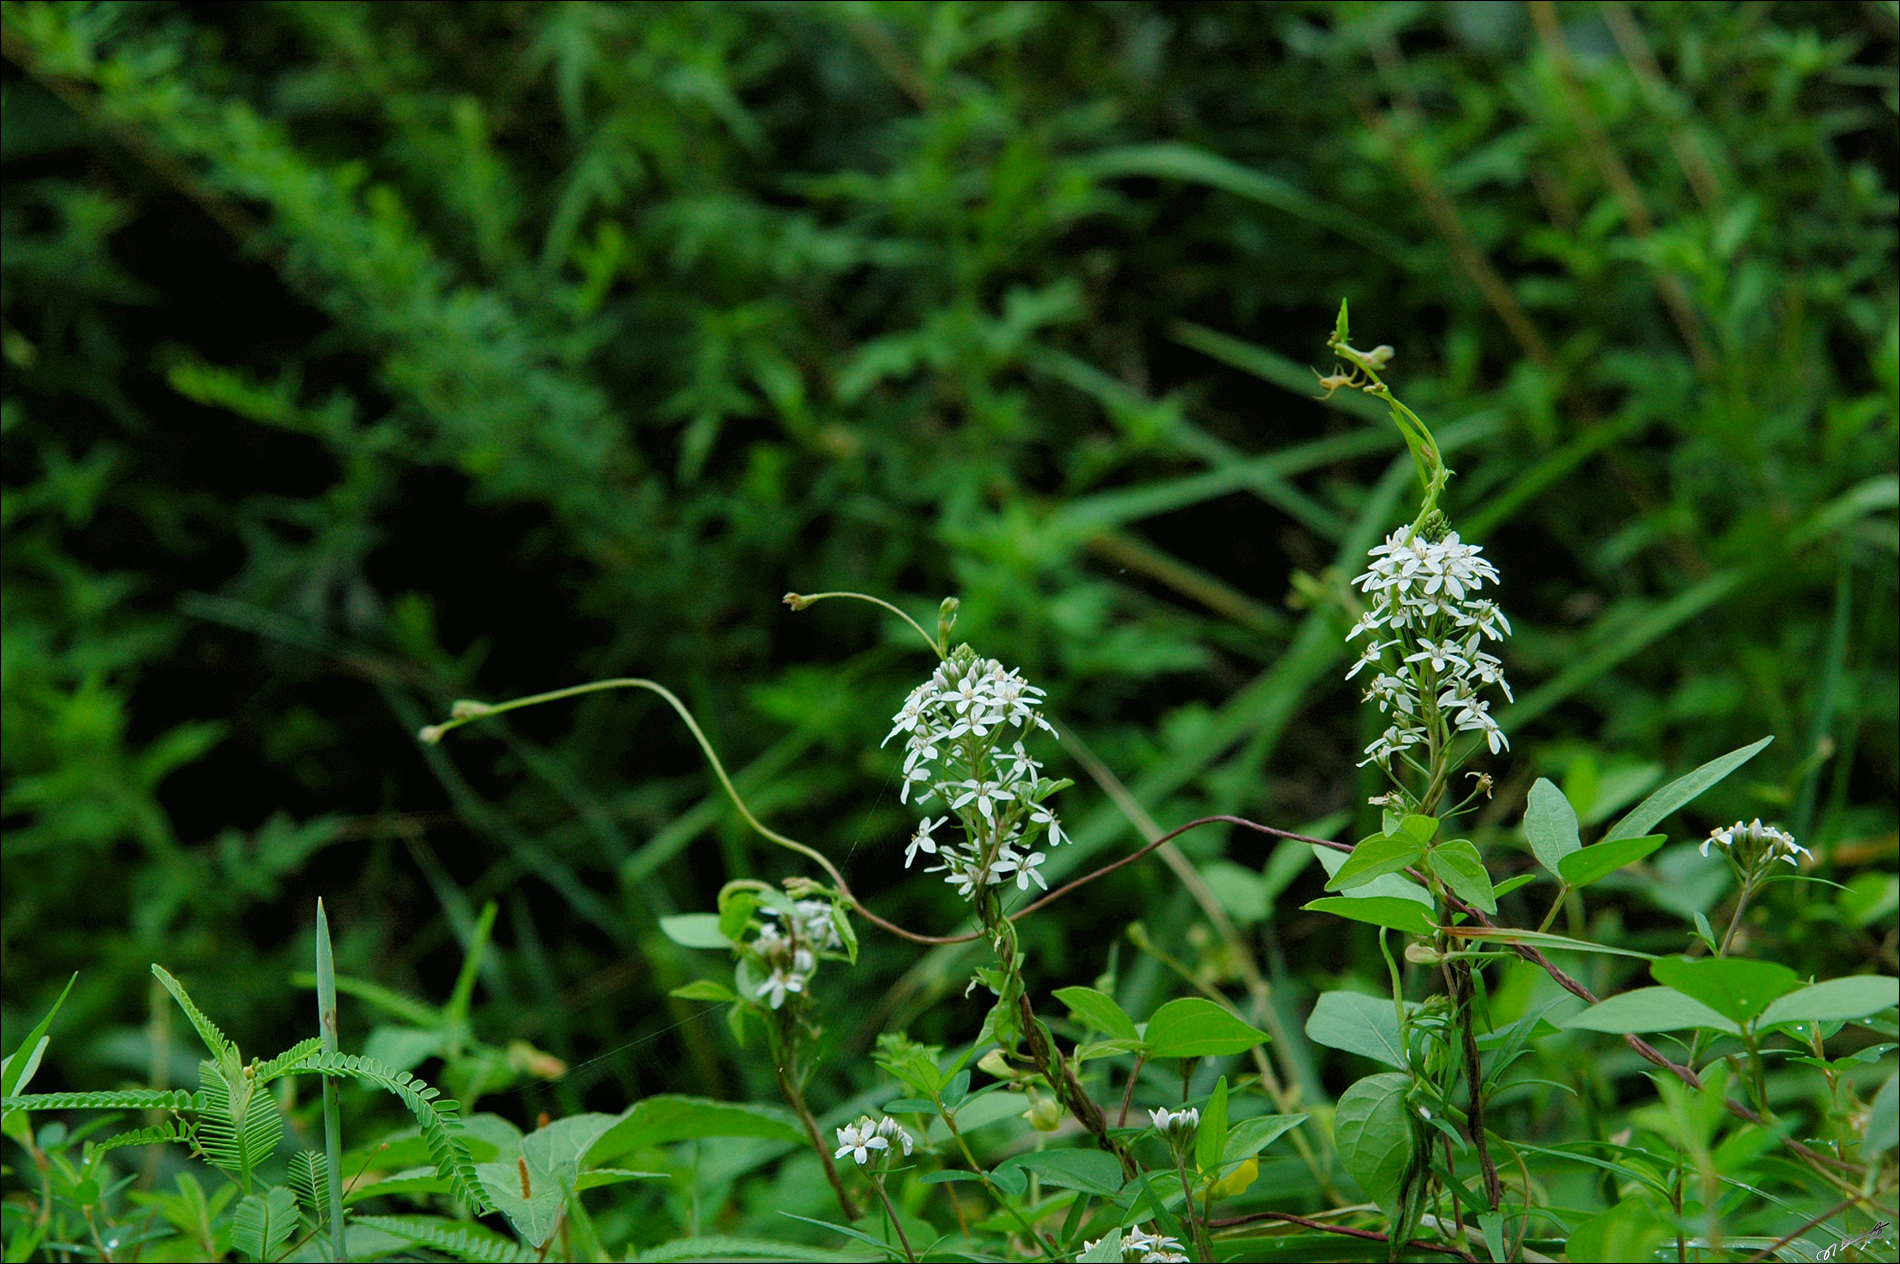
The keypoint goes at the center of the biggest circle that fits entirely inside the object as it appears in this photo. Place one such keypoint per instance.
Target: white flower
(1041, 815)
(1151, 1248)
(858, 1140)
(780, 983)
(1176, 1124)
(1424, 595)
(1026, 870)
(888, 1127)
(1755, 840)
(922, 841)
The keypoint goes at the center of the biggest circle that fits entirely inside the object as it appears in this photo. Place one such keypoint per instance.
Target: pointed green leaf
(1681, 791)
(1421, 829)
(1366, 1025)
(1211, 1139)
(1098, 1011)
(1193, 1027)
(1391, 886)
(1091, 1171)
(1378, 910)
(1550, 823)
(1650, 1009)
(1835, 1000)
(1734, 987)
(705, 990)
(1459, 867)
(1375, 856)
(670, 1117)
(1250, 1136)
(263, 1221)
(1581, 868)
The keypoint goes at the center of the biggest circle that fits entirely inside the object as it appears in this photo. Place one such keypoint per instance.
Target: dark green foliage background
(363, 357)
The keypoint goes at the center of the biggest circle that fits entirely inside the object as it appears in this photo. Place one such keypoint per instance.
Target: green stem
(798, 601)
(1195, 1227)
(996, 1195)
(877, 1182)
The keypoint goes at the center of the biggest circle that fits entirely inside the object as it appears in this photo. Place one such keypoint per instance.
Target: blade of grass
(1272, 367)
(1171, 160)
(332, 1113)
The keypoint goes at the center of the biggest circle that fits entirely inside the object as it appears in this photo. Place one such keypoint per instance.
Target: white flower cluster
(1755, 841)
(1424, 605)
(1139, 1247)
(955, 724)
(861, 1139)
(792, 952)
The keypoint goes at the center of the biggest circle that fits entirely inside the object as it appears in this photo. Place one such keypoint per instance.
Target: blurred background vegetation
(360, 357)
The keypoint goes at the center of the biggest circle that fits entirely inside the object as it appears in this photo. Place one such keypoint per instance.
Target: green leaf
(1680, 791)
(17, 1072)
(263, 1221)
(1091, 1171)
(1373, 1131)
(1373, 857)
(1106, 1251)
(1550, 823)
(1509, 885)
(1734, 987)
(1835, 1000)
(1193, 1027)
(705, 990)
(1581, 868)
(1097, 1011)
(531, 1190)
(1627, 1231)
(670, 1117)
(1366, 1025)
(1422, 829)
(1378, 910)
(1883, 1121)
(1650, 1009)
(1211, 1140)
(695, 930)
(1459, 867)
(1392, 886)
(1250, 1136)
(220, 1046)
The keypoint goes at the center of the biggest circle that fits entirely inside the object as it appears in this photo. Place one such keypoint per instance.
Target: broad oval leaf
(1377, 910)
(1550, 824)
(1835, 1000)
(1734, 987)
(1592, 864)
(1650, 1009)
(1196, 1028)
(1375, 856)
(1357, 1023)
(1680, 791)
(1374, 1136)
(1098, 1012)
(1459, 867)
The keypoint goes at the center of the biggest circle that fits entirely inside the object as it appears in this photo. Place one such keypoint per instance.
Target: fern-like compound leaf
(479, 1246)
(158, 1134)
(120, 1099)
(287, 1061)
(438, 1116)
(240, 1125)
(215, 1040)
(310, 1181)
(263, 1221)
